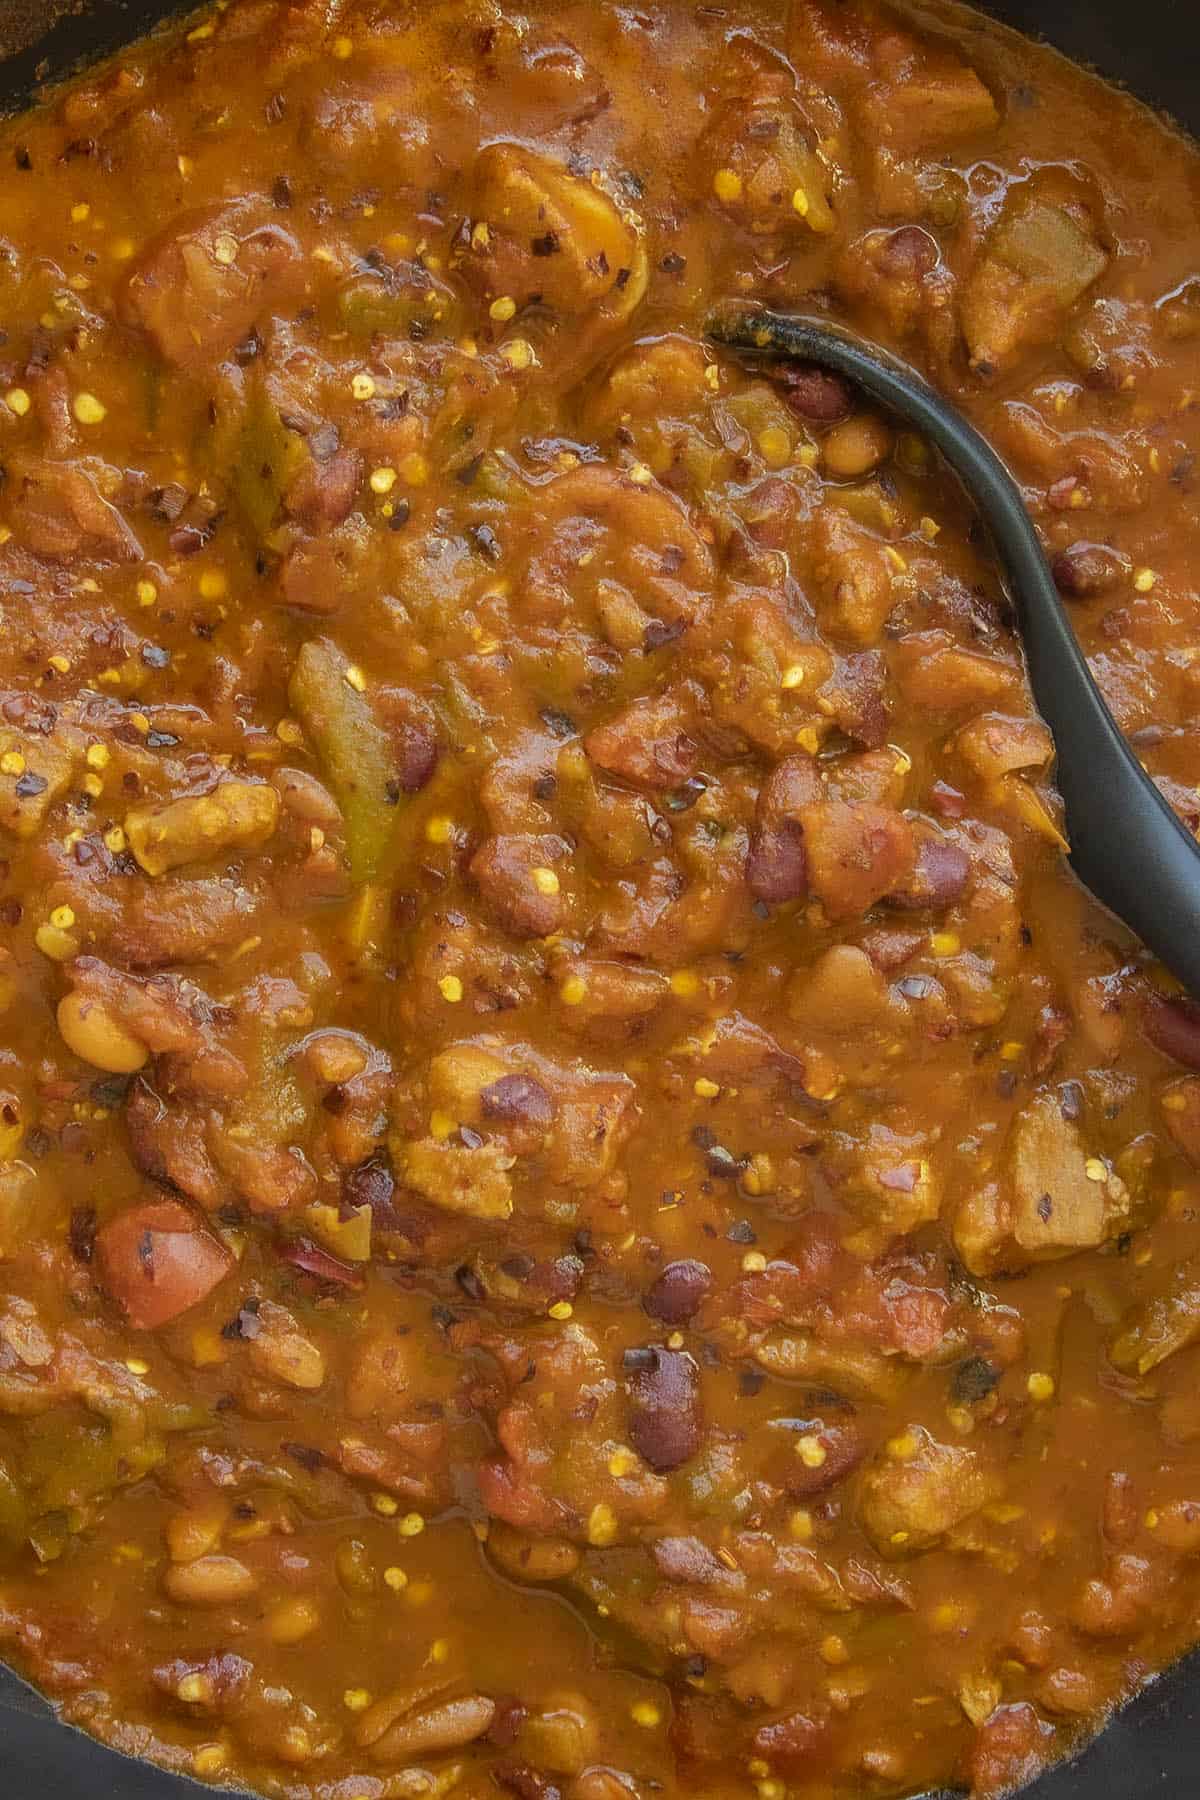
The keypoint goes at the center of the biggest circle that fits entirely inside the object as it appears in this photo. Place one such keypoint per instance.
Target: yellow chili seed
(88, 410)
(502, 309)
(17, 401)
(561, 1309)
(411, 1525)
(517, 353)
(363, 386)
(727, 185)
(601, 1525)
(775, 446)
(98, 756)
(395, 1578)
(704, 1089)
(1040, 1386)
(646, 1714)
(545, 881)
(451, 989)
(355, 678)
(356, 1699)
(573, 990)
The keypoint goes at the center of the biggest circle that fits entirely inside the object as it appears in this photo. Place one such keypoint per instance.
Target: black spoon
(1127, 845)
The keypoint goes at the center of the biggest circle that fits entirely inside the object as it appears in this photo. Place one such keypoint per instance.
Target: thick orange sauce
(587, 1209)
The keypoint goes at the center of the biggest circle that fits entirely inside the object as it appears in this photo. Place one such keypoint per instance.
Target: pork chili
(587, 1210)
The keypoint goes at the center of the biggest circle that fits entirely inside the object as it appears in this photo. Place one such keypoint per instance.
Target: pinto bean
(424, 1730)
(196, 1531)
(529, 1558)
(209, 1581)
(282, 1353)
(856, 854)
(98, 1036)
(647, 743)
(664, 1417)
(677, 1294)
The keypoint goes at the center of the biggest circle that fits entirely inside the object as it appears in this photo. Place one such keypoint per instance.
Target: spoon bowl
(1126, 844)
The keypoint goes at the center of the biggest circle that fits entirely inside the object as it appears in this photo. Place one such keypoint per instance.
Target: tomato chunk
(157, 1260)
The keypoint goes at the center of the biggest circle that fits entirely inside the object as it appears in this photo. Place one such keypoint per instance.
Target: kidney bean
(817, 395)
(938, 878)
(664, 1417)
(302, 1253)
(890, 950)
(776, 868)
(527, 1783)
(417, 753)
(842, 1450)
(689, 1560)
(1173, 1026)
(946, 801)
(1084, 569)
(908, 253)
(517, 1099)
(676, 1295)
(793, 1743)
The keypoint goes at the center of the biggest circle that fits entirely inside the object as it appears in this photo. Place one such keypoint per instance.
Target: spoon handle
(1127, 845)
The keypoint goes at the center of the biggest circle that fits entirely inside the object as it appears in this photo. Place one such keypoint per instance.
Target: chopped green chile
(266, 457)
(587, 1209)
(352, 748)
